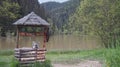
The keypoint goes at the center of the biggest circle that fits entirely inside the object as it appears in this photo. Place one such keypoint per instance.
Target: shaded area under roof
(32, 19)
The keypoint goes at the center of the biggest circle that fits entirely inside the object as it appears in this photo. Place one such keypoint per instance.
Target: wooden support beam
(17, 42)
(44, 44)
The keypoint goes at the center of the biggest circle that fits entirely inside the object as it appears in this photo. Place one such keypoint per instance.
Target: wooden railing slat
(28, 56)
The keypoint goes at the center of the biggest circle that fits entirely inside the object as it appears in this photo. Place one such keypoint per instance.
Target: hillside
(60, 12)
(28, 6)
(51, 5)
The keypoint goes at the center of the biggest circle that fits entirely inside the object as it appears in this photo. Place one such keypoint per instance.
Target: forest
(99, 18)
(12, 10)
(88, 17)
(83, 17)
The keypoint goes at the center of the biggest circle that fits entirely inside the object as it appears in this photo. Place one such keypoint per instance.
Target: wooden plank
(29, 49)
(26, 56)
(23, 54)
(31, 59)
(27, 62)
(29, 55)
(30, 62)
(32, 52)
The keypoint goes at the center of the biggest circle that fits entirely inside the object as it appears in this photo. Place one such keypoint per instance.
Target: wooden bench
(27, 56)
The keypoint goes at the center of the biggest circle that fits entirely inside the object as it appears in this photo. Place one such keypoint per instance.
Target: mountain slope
(61, 12)
(51, 5)
(28, 6)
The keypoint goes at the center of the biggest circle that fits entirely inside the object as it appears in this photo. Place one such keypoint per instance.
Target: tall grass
(112, 54)
(47, 63)
(14, 63)
(113, 58)
(6, 52)
(7, 59)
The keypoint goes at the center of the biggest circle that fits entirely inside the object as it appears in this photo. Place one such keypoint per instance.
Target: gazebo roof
(32, 19)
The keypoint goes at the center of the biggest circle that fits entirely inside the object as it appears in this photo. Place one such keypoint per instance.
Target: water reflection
(56, 42)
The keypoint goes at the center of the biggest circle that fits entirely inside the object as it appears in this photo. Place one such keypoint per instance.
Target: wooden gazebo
(33, 21)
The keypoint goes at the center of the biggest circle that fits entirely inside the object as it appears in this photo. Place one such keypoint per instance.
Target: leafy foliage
(9, 11)
(97, 17)
(113, 58)
(47, 63)
(14, 63)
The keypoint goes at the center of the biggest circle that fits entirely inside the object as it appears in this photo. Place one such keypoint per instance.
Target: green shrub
(113, 58)
(14, 63)
(3, 64)
(47, 63)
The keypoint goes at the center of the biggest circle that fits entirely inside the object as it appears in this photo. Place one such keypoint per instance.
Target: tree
(98, 17)
(9, 12)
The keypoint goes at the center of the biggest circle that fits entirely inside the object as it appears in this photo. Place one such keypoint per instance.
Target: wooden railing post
(19, 55)
(36, 54)
(29, 56)
(17, 43)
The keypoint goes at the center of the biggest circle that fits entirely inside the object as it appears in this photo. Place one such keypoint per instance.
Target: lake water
(56, 42)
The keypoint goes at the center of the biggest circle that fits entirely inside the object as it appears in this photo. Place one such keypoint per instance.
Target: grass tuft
(6, 52)
(109, 57)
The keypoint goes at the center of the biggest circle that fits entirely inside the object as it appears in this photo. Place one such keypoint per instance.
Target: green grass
(76, 55)
(6, 52)
(109, 57)
(6, 57)
(47, 63)
(5, 61)
(113, 58)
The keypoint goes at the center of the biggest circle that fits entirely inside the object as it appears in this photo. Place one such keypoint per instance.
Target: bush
(113, 58)
(47, 63)
(3, 64)
(14, 63)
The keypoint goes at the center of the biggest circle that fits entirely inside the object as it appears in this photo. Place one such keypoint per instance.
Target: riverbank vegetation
(97, 17)
(107, 57)
(7, 59)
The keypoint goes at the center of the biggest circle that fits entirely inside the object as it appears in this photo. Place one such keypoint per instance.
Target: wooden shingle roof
(31, 19)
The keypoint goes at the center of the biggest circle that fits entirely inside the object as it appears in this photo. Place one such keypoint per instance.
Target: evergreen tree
(98, 17)
(9, 12)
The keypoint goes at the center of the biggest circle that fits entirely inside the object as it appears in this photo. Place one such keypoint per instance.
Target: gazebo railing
(29, 55)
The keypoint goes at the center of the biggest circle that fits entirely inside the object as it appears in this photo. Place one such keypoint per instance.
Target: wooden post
(17, 43)
(20, 54)
(36, 55)
(44, 45)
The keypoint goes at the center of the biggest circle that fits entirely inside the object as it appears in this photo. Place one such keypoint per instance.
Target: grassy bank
(76, 55)
(109, 57)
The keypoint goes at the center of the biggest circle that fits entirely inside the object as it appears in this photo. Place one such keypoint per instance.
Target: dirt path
(81, 64)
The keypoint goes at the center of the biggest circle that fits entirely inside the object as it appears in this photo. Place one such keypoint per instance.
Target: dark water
(56, 42)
